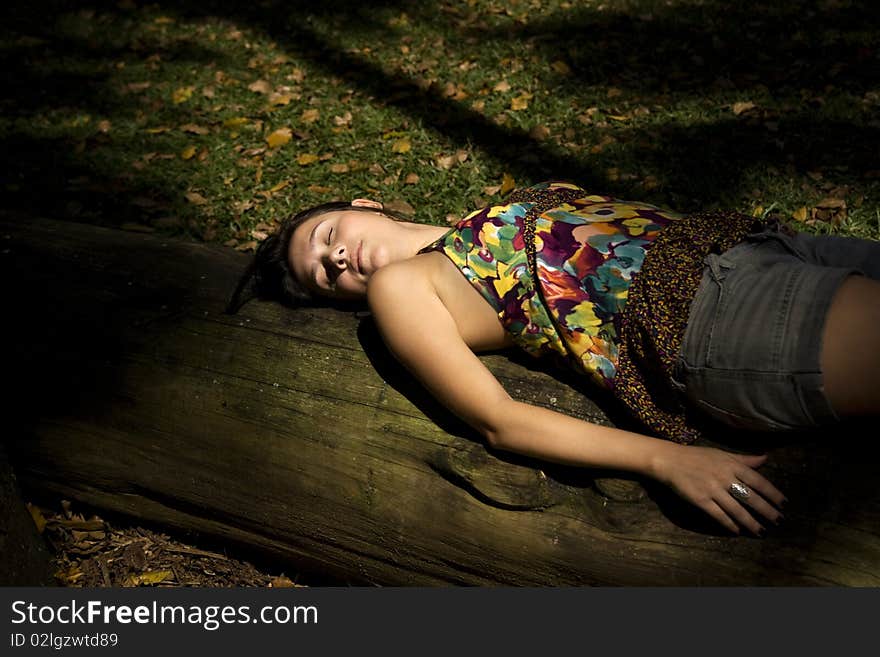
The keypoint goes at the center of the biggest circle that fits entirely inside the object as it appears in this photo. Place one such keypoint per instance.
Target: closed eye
(329, 234)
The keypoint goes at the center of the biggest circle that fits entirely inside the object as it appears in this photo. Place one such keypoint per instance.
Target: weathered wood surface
(296, 434)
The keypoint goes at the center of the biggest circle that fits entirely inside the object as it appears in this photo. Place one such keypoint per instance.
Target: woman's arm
(423, 336)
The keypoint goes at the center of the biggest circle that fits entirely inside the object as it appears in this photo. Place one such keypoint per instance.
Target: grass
(156, 116)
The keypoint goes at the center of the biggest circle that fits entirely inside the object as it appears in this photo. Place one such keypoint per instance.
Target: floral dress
(588, 250)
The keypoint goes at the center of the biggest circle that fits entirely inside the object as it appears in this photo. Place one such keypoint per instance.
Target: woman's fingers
(721, 516)
(736, 510)
(762, 490)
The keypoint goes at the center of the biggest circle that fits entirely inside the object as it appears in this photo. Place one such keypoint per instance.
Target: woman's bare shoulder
(433, 273)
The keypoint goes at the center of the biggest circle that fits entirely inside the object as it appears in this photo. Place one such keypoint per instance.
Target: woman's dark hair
(269, 276)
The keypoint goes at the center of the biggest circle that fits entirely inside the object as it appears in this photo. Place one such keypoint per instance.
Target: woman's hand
(702, 475)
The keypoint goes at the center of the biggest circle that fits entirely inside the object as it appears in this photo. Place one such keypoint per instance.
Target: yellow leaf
(561, 67)
(153, 576)
(520, 102)
(758, 211)
(305, 159)
(739, 108)
(338, 168)
(800, 214)
(281, 582)
(309, 116)
(445, 161)
(260, 87)
(164, 20)
(539, 132)
(617, 117)
(158, 130)
(343, 120)
(195, 198)
(235, 122)
(182, 94)
(279, 137)
(37, 515)
(508, 184)
(188, 152)
(319, 189)
(194, 129)
(279, 99)
(279, 186)
(502, 87)
(401, 146)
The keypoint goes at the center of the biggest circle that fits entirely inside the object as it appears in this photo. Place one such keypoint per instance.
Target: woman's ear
(366, 203)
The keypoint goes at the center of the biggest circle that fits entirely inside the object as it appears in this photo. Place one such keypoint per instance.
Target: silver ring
(739, 491)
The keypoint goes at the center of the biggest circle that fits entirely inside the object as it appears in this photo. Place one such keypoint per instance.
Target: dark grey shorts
(750, 354)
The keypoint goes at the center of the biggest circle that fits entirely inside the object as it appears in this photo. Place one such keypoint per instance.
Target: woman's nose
(337, 255)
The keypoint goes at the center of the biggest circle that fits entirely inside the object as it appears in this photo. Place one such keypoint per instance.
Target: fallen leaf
(758, 211)
(276, 99)
(260, 87)
(182, 94)
(195, 198)
(188, 152)
(281, 582)
(137, 87)
(401, 206)
(508, 184)
(158, 130)
(614, 92)
(411, 179)
(319, 189)
(235, 122)
(247, 246)
(445, 161)
(343, 120)
(194, 129)
(520, 102)
(309, 116)
(37, 516)
(561, 67)
(104, 126)
(259, 235)
(452, 218)
(740, 108)
(279, 137)
(304, 159)
(338, 168)
(831, 210)
(278, 187)
(539, 132)
(491, 190)
(151, 577)
(502, 87)
(401, 146)
(800, 214)
(208, 92)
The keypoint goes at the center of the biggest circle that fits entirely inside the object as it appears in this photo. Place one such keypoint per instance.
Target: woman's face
(335, 253)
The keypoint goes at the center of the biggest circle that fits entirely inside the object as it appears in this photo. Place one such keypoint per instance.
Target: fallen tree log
(296, 434)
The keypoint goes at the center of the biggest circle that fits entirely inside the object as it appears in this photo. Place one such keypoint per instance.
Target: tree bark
(296, 434)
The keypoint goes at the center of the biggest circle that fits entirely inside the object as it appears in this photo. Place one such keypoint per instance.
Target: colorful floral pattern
(588, 251)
